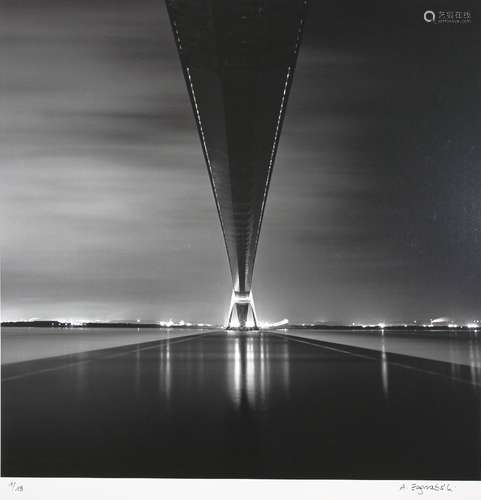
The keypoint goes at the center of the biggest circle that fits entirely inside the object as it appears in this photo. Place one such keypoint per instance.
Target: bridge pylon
(242, 312)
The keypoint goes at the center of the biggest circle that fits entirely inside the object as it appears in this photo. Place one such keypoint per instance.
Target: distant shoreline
(58, 324)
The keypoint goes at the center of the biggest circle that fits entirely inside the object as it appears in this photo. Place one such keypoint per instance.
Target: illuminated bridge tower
(238, 59)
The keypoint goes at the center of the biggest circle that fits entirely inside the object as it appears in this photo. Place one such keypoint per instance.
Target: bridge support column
(241, 305)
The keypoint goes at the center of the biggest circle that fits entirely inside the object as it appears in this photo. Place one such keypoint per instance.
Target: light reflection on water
(463, 350)
(165, 372)
(454, 355)
(384, 367)
(475, 361)
(229, 403)
(458, 344)
(81, 371)
(137, 369)
(458, 349)
(252, 365)
(253, 368)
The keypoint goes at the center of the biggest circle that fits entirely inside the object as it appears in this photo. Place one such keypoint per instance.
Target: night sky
(106, 212)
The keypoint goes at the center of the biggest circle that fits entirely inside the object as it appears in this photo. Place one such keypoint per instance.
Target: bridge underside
(238, 59)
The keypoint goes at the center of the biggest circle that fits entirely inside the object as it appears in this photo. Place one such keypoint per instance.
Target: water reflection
(254, 367)
(80, 371)
(165, 372)
(384, 367)
(475, 360)
(137, 369)
(464, 351)
(454, 355)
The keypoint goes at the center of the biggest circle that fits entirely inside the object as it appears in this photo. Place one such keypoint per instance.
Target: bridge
(238, 60)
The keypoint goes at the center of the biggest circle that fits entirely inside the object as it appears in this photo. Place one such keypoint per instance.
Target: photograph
(240, 245)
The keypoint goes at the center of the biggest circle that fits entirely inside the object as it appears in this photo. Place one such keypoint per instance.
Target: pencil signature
(15, 487)
(421, 488)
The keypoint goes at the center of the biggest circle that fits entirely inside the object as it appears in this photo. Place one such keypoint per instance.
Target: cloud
(105, 203)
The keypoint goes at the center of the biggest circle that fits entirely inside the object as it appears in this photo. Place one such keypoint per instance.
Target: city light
(265, 324)
(74, 321)
(234, 323)
(440, 320)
